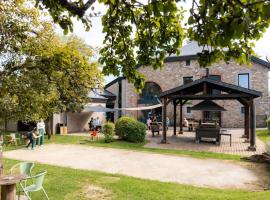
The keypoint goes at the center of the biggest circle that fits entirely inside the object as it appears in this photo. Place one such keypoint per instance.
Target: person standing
(91, 124)
(167, 122)
(41, 131)
(149, 121)
(98, 124)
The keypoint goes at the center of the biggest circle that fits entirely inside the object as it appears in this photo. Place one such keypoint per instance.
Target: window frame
(188, 62)
(241, 74)
(242, 110)
(188, 108)
(187, 77)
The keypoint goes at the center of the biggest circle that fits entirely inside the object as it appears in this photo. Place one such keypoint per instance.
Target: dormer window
(187, 62)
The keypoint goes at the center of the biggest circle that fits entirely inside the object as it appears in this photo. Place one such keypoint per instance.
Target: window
(215, 78)
(187, 62)
(188, 109)
(187, 79)
(149, 93)
(242, 110)
(243, 80)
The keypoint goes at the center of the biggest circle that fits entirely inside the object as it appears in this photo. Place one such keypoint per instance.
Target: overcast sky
(95, 36)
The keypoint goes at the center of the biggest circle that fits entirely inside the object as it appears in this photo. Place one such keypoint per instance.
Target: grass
(66, 183)
(263, 135)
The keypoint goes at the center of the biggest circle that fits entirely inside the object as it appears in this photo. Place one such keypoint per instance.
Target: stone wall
(171, 75)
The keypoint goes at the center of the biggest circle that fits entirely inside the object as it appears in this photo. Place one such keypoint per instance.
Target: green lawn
(65, 183)
(263, 135)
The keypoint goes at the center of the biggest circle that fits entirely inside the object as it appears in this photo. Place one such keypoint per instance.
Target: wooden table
(8, 186)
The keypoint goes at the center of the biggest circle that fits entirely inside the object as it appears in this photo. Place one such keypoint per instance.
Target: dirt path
(186, 170)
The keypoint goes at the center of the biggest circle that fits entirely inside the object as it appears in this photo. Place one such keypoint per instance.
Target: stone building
(182, 69)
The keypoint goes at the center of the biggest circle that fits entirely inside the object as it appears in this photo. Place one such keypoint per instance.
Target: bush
(131, 130)
(136, 133)
(122, 125)
(268, 124)
(108, 131)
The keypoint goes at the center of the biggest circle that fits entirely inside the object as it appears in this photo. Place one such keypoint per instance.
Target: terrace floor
(186, 141)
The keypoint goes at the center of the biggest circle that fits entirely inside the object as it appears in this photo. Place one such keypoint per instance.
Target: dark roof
(114, 81)
(260, 61)
(194, 57)
(197, 86)
(101, 96)
(208, 105)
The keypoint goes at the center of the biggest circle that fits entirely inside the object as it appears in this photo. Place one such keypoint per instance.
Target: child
(32, 135)
(94, 134)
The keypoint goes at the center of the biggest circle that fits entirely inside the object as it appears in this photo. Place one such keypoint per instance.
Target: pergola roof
(197, 86)
(208, 105)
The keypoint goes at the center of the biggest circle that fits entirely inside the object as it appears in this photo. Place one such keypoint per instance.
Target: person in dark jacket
(91, 124)
(31, 136)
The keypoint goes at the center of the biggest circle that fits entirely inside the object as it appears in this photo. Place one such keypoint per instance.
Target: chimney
(207, 73)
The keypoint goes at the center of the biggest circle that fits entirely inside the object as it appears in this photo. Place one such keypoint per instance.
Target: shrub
(136, 133)
(122, 125)
(130, 129)
(108, 131)
(268, 124)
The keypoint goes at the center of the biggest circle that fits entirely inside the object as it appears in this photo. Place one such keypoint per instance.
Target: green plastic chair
(22, 168)
(36, 186)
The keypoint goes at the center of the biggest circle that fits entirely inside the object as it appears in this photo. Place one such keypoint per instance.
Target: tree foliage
(40, 72)
(144, 32)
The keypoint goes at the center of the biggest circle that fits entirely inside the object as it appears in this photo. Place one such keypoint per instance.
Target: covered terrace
(201, 89)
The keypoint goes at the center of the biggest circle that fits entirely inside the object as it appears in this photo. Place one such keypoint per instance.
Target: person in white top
(149, 121)
(185, 122)
(41, 131)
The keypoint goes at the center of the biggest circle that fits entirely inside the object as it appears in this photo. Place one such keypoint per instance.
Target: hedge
(130, 129)
(108, 131)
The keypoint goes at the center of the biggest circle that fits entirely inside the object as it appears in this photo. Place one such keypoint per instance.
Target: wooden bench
(155, 128)
(224, 132)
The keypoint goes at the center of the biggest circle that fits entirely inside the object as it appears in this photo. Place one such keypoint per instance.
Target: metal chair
(36, 186)
(22, 168)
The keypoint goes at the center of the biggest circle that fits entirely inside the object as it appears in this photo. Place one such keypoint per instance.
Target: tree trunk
(1, 153)
(48, 127)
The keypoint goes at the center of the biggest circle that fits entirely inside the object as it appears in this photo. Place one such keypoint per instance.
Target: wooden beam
(252, 146)
(164, 115)
(247, 122)
(174, 117)
(205, 89)
(181, 118)
(246, 103)
(209, 96)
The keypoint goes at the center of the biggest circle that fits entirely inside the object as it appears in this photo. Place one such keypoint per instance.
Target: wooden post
(247, 122)
(8, 192)
(181, 117)
(252, 146)
(174, 117)
(164, 113)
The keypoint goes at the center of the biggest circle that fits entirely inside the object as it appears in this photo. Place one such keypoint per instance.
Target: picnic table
(8, 186)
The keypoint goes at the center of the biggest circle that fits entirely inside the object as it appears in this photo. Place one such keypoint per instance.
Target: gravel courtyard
(167, 168)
